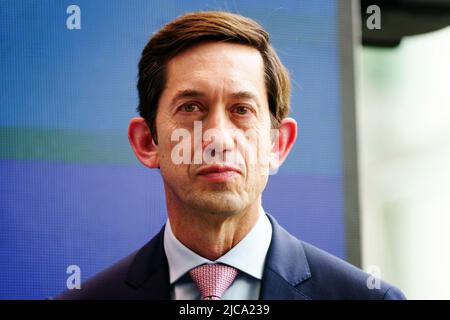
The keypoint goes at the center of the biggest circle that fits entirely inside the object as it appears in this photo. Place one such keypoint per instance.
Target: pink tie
(213, 279)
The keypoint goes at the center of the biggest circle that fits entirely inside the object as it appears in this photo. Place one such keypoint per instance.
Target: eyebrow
(245, 95)
(192, 93)
(188, 93)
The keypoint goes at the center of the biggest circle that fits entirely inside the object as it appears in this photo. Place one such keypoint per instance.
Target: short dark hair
(193, 28)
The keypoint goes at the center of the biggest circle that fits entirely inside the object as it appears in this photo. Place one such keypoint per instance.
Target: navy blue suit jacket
(294, 270)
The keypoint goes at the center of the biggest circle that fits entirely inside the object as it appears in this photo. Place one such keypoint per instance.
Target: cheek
(165, 147)
(259, 150)
(165, 129)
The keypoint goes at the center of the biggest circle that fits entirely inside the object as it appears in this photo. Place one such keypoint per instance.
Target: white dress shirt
(248, 256)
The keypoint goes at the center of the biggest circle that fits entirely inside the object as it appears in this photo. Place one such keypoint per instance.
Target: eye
(242, 110)
(190, 107)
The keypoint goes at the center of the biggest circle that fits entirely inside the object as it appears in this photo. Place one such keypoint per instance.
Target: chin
(223, 203)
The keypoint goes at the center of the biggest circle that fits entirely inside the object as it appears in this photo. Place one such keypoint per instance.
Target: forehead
(217, 65)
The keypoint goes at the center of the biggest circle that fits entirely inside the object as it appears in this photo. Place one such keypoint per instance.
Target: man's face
(219, 87)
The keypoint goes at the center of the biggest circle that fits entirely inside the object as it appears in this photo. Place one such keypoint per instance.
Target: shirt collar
(248, 255)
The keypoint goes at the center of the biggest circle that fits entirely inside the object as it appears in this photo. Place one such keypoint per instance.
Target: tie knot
(213, 279)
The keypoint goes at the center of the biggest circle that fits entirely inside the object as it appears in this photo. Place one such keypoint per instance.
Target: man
(214, 103)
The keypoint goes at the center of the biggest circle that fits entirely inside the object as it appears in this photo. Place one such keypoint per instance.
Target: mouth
(218, 173)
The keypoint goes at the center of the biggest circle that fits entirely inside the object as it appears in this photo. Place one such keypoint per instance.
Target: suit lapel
(149, 272)
(286, 267)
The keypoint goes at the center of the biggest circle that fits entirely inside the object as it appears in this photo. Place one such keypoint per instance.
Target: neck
(211, 235)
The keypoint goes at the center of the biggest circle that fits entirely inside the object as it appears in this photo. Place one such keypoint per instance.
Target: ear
(283, 141)
(141, 140)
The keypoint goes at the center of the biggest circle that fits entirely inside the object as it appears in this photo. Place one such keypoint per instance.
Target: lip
(212, 169)
(218, 173)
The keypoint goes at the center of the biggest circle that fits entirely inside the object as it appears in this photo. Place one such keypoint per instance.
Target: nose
(218, 136)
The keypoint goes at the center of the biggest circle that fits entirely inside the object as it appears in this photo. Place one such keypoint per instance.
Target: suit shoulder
(334, 278)
(107, 284)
